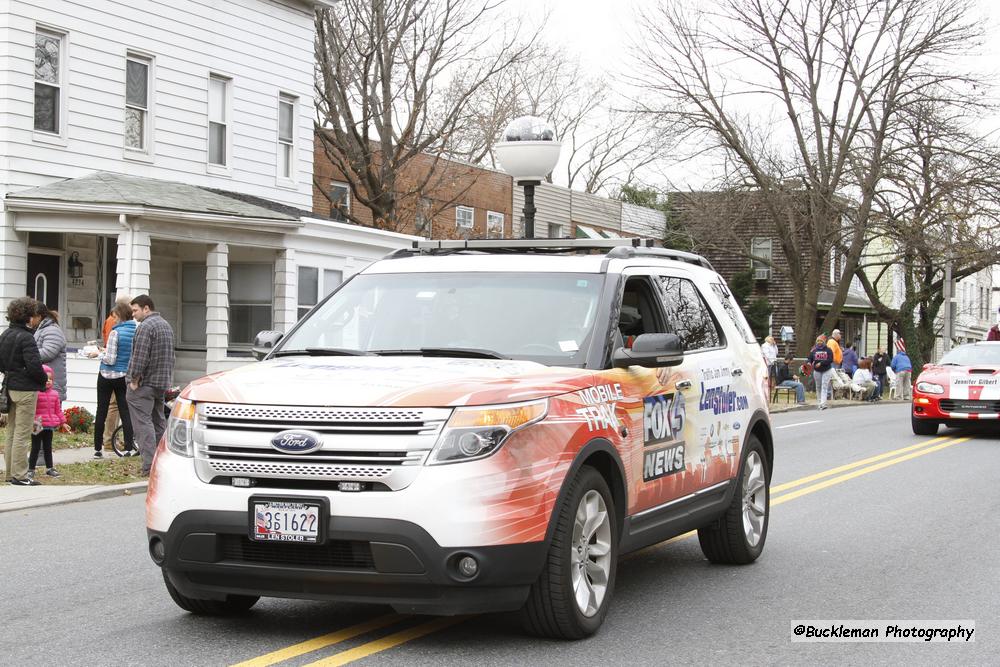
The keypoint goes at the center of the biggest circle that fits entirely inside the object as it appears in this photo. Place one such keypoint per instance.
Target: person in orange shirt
(111, 423)
(834, 345)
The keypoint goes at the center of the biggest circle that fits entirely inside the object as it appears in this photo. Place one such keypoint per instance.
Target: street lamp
(528, 151)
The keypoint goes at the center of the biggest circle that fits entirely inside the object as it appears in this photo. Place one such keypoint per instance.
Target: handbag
(4, 397)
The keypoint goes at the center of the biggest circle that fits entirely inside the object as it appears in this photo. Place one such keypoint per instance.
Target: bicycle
(118, 445)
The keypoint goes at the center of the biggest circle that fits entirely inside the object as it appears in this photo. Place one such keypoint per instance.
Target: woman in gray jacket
(51, 343)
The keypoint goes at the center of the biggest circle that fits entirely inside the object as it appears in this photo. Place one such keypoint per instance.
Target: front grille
(339, 554)
(959, 405)
(386, 446)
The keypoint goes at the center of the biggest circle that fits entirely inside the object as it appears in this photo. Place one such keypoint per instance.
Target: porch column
(286, 290)
(217, 303)
(13, 260)
(133, 263)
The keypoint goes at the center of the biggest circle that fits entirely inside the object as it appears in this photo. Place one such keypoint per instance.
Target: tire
(923, 426)
(738, 536)
(233, 605)
(118, 444)
(553, 608)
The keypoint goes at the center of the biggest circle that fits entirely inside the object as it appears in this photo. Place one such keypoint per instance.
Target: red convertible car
(964, 386)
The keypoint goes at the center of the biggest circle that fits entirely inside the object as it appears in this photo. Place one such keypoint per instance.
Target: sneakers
(98, 454)
(131, 452)
(25, 482)
(31, 474)
(52, 472)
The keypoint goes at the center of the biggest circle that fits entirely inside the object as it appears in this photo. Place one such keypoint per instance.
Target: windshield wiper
(322, 352)
(465, 352)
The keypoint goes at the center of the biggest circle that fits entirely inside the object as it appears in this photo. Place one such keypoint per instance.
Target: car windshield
(973, 355)
(544, 317)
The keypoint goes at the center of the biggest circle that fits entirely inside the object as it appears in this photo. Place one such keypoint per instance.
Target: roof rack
(624, 248)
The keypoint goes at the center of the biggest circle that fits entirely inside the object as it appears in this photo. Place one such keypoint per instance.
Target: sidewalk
(833, 403)
(25, 497)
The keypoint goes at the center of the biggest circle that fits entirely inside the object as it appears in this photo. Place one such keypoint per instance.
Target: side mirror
(264, 342)
(650, 351)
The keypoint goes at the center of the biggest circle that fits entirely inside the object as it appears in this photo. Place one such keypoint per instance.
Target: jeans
(881, 384)
(800, 391)
(145, 406)
(105, 389)
(20, 421)
(822, 379)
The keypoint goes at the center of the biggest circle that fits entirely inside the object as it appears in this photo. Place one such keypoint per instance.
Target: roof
(853, 301)
(119, 189)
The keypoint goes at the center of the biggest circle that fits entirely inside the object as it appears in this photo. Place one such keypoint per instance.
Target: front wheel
(231, 606)
(923, 426)
(571, 596)
(737, 537)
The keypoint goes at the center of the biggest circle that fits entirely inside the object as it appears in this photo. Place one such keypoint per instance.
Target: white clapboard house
(166, 147)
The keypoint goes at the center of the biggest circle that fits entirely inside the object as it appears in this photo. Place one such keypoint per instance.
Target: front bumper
(208, 555)
(939, 408)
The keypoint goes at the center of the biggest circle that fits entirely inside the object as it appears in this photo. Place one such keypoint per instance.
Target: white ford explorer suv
(470, 427)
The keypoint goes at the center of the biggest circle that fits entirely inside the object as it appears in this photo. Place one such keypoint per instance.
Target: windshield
(544, 317)
(973, 355)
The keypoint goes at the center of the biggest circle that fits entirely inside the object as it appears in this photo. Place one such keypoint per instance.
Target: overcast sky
(598, 32)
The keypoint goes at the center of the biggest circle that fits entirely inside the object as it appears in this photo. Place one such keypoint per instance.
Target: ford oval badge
(297, 442)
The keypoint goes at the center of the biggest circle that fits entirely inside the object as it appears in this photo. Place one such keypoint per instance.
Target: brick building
(439, 198)
(727, 228)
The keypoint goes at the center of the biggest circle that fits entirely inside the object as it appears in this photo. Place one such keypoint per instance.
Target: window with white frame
(137, 71)
(193, 311)
(340, 200)
(286, 136)
(494, 225)
(218, 120)
(251, 294)
(49, 48)
(555, 231)
(310, 288)
(464, 217)
(760, 249)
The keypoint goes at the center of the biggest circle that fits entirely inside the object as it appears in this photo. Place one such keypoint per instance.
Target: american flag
(900, 344)
(259, 525)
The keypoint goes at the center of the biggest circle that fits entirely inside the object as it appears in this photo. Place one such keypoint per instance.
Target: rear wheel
(923, 426)
(737, 537)
(573, 592)
(231, 606)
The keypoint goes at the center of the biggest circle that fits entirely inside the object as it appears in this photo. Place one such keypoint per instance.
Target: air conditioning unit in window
(762, 273)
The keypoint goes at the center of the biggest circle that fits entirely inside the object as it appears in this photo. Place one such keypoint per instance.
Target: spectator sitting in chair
(786, 378)
(863, 378)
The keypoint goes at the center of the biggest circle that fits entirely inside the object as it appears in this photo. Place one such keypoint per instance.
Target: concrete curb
(830, 405)
(62, 495)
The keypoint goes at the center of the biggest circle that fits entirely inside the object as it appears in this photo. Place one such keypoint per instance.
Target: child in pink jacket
(48, 417)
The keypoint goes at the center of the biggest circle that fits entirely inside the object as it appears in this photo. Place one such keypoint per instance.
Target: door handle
(737, 371)
(683, 384)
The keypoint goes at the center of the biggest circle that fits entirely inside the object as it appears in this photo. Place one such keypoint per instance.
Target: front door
(43, 278)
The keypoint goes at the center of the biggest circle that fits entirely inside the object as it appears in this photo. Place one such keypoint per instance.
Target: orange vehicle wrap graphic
(666, 453)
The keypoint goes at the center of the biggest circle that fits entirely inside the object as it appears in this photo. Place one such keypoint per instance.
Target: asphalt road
(910, 535)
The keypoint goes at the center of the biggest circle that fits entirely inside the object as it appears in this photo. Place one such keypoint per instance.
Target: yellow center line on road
(850, 466)
(859, 468)
(388, 642)
(330, 639)
(864, 471)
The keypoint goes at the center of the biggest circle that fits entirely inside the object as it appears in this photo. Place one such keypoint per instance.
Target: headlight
(475, 433)
(929, 388)
(180, 428)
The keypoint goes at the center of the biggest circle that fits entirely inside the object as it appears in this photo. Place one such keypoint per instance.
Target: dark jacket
(19, 359)
(879, 363)
(821, 358)
(784, 372)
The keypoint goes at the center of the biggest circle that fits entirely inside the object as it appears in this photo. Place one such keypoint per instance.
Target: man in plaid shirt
(150, 372)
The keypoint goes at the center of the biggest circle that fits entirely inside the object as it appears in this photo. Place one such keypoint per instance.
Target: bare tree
(382, 70)
(939, 205)
(835, 74)
(603, 146)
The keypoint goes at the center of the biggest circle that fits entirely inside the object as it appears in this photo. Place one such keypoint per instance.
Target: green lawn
(111, 470)
(61, 440)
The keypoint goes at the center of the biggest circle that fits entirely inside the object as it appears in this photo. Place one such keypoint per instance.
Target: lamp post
(528, 151)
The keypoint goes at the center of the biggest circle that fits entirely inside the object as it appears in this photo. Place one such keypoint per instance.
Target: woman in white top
(863, 378)
(770, 351)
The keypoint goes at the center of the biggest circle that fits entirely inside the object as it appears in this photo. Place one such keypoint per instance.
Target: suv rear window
(544, 317)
